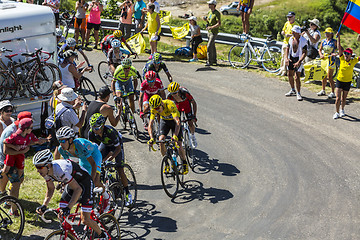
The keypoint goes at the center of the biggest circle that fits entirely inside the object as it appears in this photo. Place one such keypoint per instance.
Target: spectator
(126, 18)
(287, 33)
(245, 7)
(54, 5)
(213, 20)
(94, 21)
(80, 20)
(100, 106)
(343, 82)
(5, 134)
(313, 36)
(139, 15)
(6, 109)
(70, 44)
(195, 37)
(154, 27)
(157, 5)
(327, 50)
(295, 53)
(56, 87)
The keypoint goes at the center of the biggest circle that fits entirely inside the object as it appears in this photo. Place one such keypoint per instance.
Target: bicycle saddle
(11, 56)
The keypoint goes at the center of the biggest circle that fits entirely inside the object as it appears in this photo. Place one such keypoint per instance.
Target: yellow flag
(180, 32)
(137, 43)
(164, 16)
(316, 69)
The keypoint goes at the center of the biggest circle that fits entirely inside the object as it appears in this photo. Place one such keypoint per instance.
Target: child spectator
(195, 37)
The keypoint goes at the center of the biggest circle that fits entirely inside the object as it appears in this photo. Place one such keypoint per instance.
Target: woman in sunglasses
(343, 82)
(6, 109)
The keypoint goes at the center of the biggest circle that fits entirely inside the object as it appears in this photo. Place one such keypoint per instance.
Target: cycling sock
(127, 190)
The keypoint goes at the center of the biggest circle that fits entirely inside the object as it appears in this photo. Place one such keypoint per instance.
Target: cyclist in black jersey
(156, 64)
(79, 187)
(111, 147)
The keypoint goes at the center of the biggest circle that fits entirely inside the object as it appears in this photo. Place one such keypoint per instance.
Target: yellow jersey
(119, 74)
(346, 69)
(287, 29)
(170, 111)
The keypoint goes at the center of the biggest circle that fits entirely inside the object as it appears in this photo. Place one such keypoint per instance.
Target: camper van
(24, 28)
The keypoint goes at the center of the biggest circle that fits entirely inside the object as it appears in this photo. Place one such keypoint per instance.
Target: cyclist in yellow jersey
(169, 120)
(122, 83)
(343, 82)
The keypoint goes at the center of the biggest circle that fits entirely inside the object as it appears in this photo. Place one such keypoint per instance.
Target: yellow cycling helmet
(173, 87)
(329, 30)
(118, 33)
(155, 101)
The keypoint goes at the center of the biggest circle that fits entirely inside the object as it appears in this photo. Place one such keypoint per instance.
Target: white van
(24, 27)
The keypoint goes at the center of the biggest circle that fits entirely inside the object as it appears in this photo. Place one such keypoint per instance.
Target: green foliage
(112, 11)
(68, 4)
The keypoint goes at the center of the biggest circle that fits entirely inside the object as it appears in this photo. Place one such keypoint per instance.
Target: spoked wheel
(12, 218)
(56, 70)
(59, 235)
(123, 118)
(169, 177)
(189, 151)
(87, 90)
(43, 80)
(104, 72)
(133, 125)
(271, 59)
(117, 199)
(130, 175)
(111, 226)
(239, 56)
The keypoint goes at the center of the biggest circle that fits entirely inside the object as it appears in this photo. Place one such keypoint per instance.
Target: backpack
(183, 51)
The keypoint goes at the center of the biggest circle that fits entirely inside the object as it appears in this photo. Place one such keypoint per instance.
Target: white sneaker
(332, 95)
(321, 93)
(290, 93)
(342, 113)
(193, 141)
(336, 115)
(299, 97)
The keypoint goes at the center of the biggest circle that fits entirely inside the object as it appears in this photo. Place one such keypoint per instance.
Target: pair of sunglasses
(347, 53)
(62, 140)
(40, 167)
(9, 110)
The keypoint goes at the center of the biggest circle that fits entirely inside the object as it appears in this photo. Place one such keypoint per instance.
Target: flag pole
(346, 10)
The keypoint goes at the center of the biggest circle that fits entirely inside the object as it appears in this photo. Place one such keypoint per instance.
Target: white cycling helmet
(43, 158)
(58, 32)
(71, 42)
(65, 132)
(115, 43)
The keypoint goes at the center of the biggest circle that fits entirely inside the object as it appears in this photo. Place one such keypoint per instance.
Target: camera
(305, 26)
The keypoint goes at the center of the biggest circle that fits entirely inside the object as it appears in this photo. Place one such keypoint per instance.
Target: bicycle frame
(257, 54)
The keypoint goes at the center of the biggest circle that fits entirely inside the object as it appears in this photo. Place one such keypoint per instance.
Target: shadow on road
(202, 131)
(350, 118)
(205, 69)
(138, 223)
(319, 100)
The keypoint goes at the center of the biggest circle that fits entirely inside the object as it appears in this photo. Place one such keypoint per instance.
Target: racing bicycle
(11, 225)
(266, 54)
(86, 88)
(189, 151)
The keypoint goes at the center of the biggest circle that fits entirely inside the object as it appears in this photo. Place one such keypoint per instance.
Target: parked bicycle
(266, 54)
(11, 224)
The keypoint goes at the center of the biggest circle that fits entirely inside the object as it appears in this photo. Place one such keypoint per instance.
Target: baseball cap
(290, 14)
(104, 91)
(23, 115)
(349, 50)
(24, 124)
(296, 29)
(212, 2)
(329, 30)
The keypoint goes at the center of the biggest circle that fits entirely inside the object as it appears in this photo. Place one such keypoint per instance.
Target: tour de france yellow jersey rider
(169, 120)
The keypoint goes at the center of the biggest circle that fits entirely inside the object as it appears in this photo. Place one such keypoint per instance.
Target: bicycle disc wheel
(117, 198)
(130, 176)
(87, 90)
(169, 177)
(59, 235)
(104, 73)
(189, 151)
(109, 223)
(4, 83)
(11, 226)
(43, 80)
(132, 124)
(239, 56)
(271, 59)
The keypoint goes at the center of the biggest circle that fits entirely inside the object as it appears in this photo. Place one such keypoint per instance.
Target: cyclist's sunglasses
(174, 93)
(150, 81)
(96, 128)
(126, 68)
(40, 167)
(62, 140)
(158, 108)
(347, 53)
(157, 62)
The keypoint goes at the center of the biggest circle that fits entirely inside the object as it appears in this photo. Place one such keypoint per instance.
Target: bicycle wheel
(56, 70)
(87, 90)
(123, 118)
(239, 56)
(104, 73)
(271, 59)
(109, 223)
(11, 226)
(117, 199)
(189, 151)
(3, 85)
(169, 177)
(355, 78)
(130, 176)
(132, 124)
(43, 80)
(59, 235)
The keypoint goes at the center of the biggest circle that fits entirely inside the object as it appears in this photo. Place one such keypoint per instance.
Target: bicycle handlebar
(3, 49)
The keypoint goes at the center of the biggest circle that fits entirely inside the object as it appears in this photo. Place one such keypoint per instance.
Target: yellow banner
(316, 69)
(180, 32)
(137, 43)
(164, 16)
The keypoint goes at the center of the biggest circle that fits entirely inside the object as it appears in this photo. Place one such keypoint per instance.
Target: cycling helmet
(115, 43)
(126, 62)
(58, 32)
(157, 57)
(71, 42)
(155, 101)
(69, 53)
(118, 33)
(43, 158)
(97, 120)
(173, 87)
(150, 76)
(65, 132)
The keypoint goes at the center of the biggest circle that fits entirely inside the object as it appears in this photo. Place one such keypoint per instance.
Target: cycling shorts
(167, 125)
(119, 159)
(127, 86)
(94, 26)
(80, 23)
(86, 198)
(343, 85)
(17, 161)
(244, 8)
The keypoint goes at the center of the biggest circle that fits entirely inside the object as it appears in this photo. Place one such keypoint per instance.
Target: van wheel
(225, 13)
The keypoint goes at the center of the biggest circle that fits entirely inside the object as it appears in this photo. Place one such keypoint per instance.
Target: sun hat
(349, 50)
(192, 18)
(315, 22)
(212, 2)
(296, 29)
(290, 14)
(67, 94)
(5, 103)
(329, 30)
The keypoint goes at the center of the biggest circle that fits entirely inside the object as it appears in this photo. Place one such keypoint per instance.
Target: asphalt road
(268, 167)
